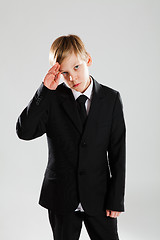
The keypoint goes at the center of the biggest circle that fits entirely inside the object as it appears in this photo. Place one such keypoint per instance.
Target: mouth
(76, 85)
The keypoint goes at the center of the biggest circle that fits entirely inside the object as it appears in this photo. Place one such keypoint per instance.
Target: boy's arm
(117, 159)
(32, 121)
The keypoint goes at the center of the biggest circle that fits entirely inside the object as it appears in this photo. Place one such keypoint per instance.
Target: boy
(84, 123)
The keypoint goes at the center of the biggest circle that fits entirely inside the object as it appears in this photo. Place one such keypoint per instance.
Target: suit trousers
(68, 227)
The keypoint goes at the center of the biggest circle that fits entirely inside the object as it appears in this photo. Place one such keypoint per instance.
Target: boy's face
(75, 71)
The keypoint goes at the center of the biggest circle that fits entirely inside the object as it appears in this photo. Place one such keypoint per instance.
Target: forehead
(70, 61)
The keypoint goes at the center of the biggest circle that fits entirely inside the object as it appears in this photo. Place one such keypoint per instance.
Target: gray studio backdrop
(123, 39)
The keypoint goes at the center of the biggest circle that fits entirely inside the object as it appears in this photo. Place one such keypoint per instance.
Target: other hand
(110, 213)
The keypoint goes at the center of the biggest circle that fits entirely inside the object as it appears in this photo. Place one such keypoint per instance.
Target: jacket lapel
(96, 101)
(68, 103)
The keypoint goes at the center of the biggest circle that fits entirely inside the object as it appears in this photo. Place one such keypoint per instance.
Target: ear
(89, 60)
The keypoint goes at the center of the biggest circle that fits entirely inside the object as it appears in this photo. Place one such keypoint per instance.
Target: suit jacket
(83, 166)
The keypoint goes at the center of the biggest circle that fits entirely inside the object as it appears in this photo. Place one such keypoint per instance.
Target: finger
(113, 214)
(55, 67)
(57, 78)
(107, 212)
(54, 70)
(117, 214)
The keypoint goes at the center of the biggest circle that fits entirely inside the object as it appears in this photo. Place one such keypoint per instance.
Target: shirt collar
(87, 92)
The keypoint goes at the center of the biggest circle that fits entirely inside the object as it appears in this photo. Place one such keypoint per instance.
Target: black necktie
(81, 108)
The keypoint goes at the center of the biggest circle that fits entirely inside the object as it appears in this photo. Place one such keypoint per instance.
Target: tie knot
(82, 99)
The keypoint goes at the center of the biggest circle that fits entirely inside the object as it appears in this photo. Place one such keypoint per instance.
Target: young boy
(85, 128)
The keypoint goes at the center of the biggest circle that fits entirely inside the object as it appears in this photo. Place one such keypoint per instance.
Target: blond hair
(63, 46)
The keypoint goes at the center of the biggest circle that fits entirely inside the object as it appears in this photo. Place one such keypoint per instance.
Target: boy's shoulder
(108, 89)
(105, 88)
(108, 92)
(111, 94)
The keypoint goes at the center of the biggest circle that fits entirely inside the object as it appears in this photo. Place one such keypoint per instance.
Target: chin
(78, 90)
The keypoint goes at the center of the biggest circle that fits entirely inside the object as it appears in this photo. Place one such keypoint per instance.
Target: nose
(72, 77)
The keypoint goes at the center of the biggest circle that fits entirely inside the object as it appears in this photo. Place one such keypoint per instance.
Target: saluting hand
(52, 78)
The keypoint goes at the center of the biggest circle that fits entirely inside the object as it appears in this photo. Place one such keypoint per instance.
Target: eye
(64, 73)
(77, 66)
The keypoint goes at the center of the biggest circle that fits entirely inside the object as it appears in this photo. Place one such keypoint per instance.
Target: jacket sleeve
(32, 121)
(117, 159)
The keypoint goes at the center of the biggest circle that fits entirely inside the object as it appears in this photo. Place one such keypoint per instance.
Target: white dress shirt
(88, 93)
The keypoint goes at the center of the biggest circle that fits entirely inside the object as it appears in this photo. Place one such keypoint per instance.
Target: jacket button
(38, 100)
(83, 144)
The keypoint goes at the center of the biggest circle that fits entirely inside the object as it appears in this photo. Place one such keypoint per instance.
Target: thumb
(58, 77)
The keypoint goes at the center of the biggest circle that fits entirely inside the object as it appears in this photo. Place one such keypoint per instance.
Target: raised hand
(52, 78)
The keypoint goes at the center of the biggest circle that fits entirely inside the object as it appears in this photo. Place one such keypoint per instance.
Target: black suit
(86, 167)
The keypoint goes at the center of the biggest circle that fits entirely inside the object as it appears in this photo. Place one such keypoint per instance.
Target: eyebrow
(73, 65)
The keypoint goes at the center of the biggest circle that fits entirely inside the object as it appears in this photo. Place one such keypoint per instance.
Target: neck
(88, 83)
